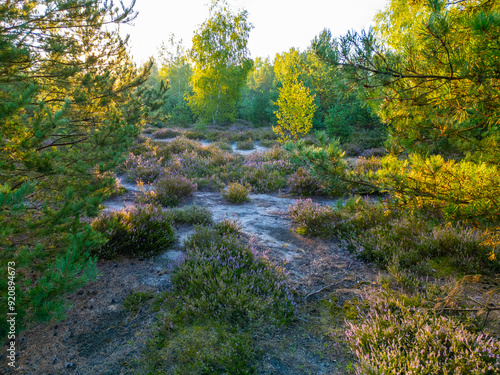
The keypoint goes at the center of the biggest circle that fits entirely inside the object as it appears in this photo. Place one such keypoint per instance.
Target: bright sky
(278, 24)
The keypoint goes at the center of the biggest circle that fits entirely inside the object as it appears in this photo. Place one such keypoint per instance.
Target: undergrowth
(221, 289)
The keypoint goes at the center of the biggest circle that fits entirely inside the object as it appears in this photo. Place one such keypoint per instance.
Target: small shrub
(165, 133)
(191, 215)
(245, 145)
(201, 349)
(148, 130)
(194, 134)
(394, 337)
(268, 143)
(224, 146)
(136, 231)
(314, 219)
(236, 193)
(140, 168)
(374, 152)
(227, 226)
(264, 180)
(171, 189)
(227, 280)
(134, 301)
(303, 184)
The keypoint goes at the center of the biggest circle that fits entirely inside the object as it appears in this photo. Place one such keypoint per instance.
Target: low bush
(135, 301)
(191, 215)
(200, 349)
(393, 336)
(377, 234)
(135, 231)
(170, 189)
(303, 184)
(194, 134)
(247, 144)
(221, 289)
(236, 193)
(264, 180)
(224, 278)
(165, 133)
(268, 143)
(141, 168)
(314, 219)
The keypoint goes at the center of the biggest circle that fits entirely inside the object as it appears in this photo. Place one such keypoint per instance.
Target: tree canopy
(221, 61)
(431, 67)
(70, 105)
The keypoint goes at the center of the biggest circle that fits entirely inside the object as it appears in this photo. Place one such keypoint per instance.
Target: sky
(278, 24)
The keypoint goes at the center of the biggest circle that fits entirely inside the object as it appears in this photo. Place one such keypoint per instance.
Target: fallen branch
(325, 287)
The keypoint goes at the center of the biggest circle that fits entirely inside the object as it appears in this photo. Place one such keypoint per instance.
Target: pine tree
(70, 105)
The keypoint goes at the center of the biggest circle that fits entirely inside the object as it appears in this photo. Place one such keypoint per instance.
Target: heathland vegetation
(398, 124)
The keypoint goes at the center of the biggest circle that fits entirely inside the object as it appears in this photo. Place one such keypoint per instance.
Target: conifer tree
(70, 105)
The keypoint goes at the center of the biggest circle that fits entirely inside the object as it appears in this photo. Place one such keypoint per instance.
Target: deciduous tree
(221, 62)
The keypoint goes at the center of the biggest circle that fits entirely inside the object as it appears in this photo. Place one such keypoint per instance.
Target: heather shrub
(224, 146)
(264, 180)
(268, 143)
(223, 278)
(191, 215)
(314, 219)
(194, 134)
(374, 152)
(179, 144)
(165, 133)
(247, 144)
(393, 336)
(236, 193)
(303, 184)
(199, 349)
(144, 169)
(148, 130)
(170, 189)
(135, 231)
(417, 244)
(140, 139)
(227, 226)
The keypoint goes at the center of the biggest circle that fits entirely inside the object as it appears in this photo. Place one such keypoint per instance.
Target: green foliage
(377, 234)
(221, 65)
(175, 69)
(395, 334)
(434, 64)
(200, 349)
(313, 219)
(258, 93)
(245, 145)
(236, 193)
(165, 133)
(135, 301)
(303, 184)
(295, 103)
(191, 215)
(222, 288)
(170, 189)
(325, 161)
(135, 231)
(223, 278)
(71, 103)
(460, 190)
